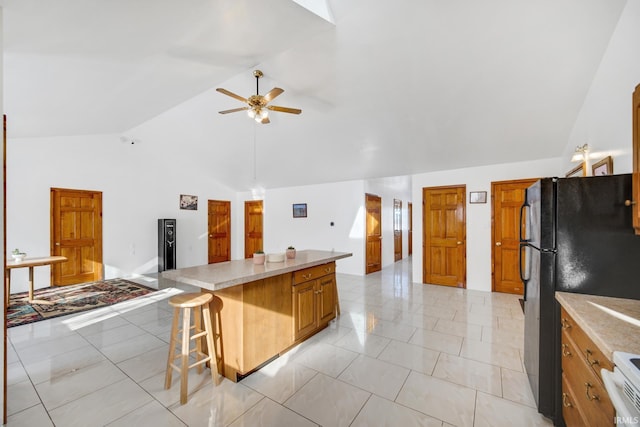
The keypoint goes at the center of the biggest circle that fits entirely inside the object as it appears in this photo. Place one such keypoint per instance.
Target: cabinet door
(304, 309)
(326, 298)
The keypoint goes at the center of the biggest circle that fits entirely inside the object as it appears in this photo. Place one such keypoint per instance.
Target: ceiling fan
(258, 105)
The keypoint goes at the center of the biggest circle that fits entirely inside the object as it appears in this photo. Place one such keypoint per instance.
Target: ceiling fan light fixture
(257, 105)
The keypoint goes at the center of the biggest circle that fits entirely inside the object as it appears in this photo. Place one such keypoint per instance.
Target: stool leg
(184, 366)
(172, 348)
(197, 328)
(211, 344)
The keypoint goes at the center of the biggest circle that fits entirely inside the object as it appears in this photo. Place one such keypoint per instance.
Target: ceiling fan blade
(273, 93)
(284, 109)
(265, 121)
(234, 110)
(231, 94)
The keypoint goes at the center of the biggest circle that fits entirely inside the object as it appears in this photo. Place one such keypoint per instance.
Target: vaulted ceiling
(387, 88)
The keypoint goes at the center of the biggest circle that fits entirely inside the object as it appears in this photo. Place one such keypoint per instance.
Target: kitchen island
(265, 309)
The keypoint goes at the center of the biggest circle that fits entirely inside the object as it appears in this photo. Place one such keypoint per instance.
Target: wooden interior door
(410, 229)
(219, 231)
(444, 225)
(373, 207)
(397, 230)
(76, 233)
(252, 227)
(635, 141)
(507, 198)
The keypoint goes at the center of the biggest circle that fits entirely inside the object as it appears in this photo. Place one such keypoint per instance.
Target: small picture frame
(578, 171)
(603, 167)
(477, 197)
(188, 202)
(299, 210)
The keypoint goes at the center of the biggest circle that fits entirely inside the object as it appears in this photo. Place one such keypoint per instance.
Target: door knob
(498, 243)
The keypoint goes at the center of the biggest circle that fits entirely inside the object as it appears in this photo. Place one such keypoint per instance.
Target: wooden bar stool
(200, 304)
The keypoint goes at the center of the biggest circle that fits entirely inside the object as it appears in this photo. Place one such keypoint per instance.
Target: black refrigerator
(577, 236)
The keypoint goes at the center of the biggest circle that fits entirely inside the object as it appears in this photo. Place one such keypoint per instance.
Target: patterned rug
(62, 300)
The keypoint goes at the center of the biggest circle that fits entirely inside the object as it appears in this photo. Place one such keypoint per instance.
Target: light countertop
(612, 323)
(215, 277)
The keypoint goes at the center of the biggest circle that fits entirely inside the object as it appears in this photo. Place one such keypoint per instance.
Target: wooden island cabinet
(261, 311)
(314, 299)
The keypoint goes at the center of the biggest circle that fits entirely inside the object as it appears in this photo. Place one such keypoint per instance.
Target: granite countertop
(612, 323)
(215, 277)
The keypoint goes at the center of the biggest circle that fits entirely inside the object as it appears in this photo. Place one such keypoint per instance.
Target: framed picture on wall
(478, 197)
(189, 203)
(603, 167)
(299, 210)
(578, 171)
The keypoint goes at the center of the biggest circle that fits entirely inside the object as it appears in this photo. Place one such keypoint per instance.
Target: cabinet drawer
(592, 356)
(312, 273)
(588, 392)
(570, 411)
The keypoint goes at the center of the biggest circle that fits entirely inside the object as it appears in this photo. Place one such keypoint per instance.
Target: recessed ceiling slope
(95, 66)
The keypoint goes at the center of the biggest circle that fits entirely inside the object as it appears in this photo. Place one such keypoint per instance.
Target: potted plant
(258, 257)
(291, 252)
(17, 255)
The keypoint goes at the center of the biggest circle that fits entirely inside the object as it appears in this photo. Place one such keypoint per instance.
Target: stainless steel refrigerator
(577, 236)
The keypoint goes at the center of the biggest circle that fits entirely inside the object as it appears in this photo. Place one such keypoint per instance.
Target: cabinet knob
(565, 324)
(498, 243)
(459, 242)
(629, 202)
(565, 350)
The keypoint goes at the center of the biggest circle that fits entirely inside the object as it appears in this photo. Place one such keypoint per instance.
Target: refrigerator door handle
(523, 222)
(521, 260)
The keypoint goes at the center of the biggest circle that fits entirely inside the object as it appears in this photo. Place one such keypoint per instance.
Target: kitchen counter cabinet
(612, 323)
(593, 327)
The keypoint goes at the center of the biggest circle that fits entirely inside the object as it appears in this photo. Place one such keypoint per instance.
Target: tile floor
(401, 354)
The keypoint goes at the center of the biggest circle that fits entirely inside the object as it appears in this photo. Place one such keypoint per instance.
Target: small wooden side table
(27, 262)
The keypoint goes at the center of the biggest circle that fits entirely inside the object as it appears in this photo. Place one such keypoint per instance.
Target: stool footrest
(193, 365)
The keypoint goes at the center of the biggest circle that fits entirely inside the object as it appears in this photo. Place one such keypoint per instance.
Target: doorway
(373, 207)
(76, 233)
(219, 227)
(444, 224)
(410, 229)
(397, 230)
(506, 199)
(252, 227)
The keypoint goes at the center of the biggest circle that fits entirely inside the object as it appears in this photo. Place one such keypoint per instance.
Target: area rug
(63, 300)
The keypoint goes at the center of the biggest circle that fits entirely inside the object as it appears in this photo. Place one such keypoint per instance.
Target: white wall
(139, 183)
(478, 216)
(341, 203)
(604, 122)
